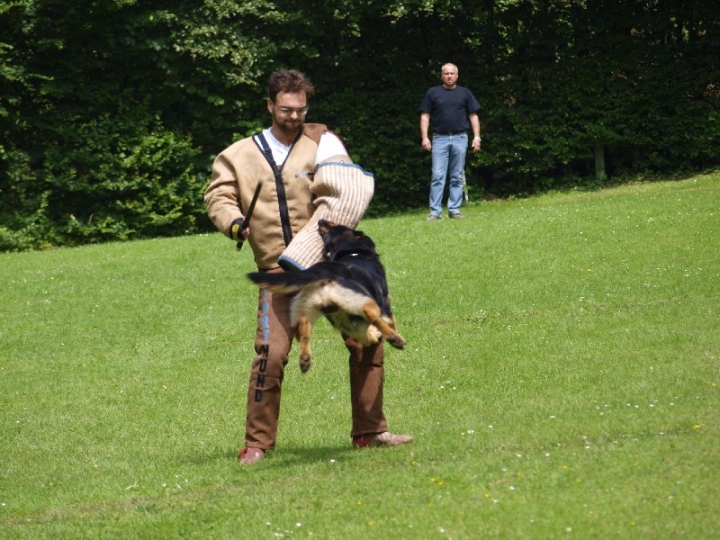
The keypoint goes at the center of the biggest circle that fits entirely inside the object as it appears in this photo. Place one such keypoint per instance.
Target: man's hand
(236, 229)
(426, 144)
(476, 144)
(239, 231)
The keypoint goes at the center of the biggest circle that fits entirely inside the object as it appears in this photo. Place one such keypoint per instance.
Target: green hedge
(111, 112)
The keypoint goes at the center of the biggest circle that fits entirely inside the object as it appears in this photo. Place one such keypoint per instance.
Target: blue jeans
(448, 160)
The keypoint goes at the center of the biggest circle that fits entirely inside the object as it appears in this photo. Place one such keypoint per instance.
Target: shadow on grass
(285, 456)
(317, 455)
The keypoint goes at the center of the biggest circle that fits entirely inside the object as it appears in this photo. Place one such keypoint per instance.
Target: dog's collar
(340, 255)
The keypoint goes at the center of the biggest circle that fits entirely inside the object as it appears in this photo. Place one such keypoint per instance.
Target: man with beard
(299, 168)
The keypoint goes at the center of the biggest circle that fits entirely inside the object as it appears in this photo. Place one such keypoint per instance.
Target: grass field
(561, 380)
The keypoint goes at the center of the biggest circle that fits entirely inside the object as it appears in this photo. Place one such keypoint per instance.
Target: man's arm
(424, 127)
(222, 199)
(475, 123)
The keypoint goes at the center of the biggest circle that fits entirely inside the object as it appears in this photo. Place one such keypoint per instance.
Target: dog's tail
(285, 282)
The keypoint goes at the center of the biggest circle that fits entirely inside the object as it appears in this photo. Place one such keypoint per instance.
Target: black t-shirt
(449, 109)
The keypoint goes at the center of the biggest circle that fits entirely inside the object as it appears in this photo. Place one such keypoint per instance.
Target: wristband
(477, 138)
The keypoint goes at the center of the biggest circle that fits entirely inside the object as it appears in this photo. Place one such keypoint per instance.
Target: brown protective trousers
(273, 341)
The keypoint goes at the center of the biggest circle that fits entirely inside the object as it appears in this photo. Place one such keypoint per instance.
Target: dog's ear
(364, 241)
(329, 240)
(324, 227)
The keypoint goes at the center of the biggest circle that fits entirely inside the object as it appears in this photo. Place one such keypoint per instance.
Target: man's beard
(288, 126)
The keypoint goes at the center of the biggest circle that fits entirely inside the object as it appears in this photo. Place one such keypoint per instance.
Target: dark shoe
(433, 217)
(248, 456)
(380, 439)
(458, 215)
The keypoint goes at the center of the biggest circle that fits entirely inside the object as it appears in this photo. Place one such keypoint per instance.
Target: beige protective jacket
(337, 190)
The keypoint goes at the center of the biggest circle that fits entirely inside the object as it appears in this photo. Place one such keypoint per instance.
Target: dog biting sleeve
(342, 193)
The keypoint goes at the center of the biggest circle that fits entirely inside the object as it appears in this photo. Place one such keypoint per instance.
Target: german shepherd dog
(349, 287)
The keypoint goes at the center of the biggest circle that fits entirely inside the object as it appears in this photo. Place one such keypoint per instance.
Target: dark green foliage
(119, 186)
(106, 108)
(111, 112)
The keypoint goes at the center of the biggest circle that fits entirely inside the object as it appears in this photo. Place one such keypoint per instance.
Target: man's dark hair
(289, 81)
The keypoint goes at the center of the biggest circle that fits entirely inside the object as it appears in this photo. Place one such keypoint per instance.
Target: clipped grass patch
(561, 379)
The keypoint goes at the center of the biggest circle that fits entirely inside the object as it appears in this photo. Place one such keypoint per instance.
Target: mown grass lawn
(561, 380)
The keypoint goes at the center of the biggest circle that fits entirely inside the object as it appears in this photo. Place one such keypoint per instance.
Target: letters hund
(349, 287)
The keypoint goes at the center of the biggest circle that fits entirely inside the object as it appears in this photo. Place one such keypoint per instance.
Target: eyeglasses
(301, 111)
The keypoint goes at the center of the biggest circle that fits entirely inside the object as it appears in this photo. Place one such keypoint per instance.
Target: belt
(450, 133)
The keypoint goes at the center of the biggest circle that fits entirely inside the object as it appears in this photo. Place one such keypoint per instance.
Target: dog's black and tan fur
(349, 287)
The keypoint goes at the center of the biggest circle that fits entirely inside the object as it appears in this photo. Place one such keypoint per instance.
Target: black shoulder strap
(264, 147)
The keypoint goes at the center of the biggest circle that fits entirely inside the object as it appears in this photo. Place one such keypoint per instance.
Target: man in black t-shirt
(448, 111)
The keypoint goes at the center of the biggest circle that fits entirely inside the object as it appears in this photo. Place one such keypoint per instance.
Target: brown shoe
(248, 456)
(380, 439)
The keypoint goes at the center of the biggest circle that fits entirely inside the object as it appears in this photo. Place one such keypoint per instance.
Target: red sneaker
(248, 456)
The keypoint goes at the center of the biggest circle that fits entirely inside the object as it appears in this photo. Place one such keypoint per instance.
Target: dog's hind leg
(393, 323)
(371, 312)
(303, 332)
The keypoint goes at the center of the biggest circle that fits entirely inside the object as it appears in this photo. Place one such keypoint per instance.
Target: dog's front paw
(397, 341)
(304, 363)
